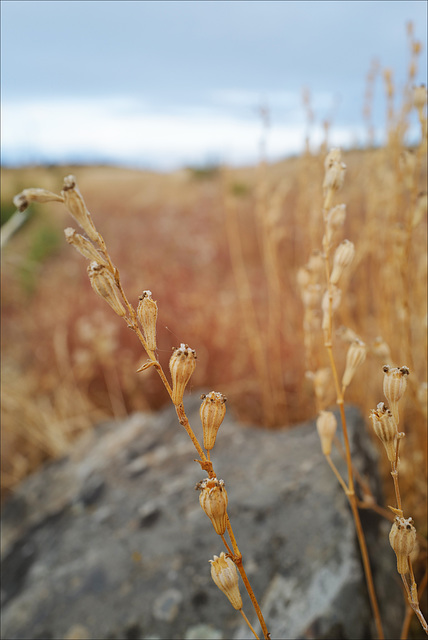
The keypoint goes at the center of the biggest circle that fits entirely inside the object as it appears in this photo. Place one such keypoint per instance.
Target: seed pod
(381, 349)
(385, 428)
(225, 575)
(23, 199)
(212, 412)
(311, 295)
(304, 277)
(408, 163)
(147, 312)
(420, 97)
(182, 364)
(394, 386)
(326, 427)
(323, 385)
(103, 283)
(83, 246)
(213, 500)
(402, 538)
(76, 206)
(356, 355)
(346, 334)
(315, 265)
(334, 175)
(343, 257)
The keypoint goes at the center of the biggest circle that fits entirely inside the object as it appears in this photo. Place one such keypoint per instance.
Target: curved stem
(237, 559)
(248, 623)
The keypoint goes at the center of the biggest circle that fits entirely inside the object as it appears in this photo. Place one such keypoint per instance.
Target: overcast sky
(161, 84)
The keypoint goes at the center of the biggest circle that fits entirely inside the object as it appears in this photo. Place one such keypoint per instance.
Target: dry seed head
(420, 97)
(334, 172)
(103, 283)
(407, 162)
(394, 386)
(334, 219)
(336, 216)
(346, 334)
(225, 575)
(332, 157)
(147, 312)
(356, 355)
(381, 349)
(343, 257)
(326, 427)
(402, 538)
(83, 246)
(182, 364)
(212, 412)
(316, 264)
(323, 385)
(76, 206)
(213, 500)
(23, 199)
(385, 428)
(311, 296)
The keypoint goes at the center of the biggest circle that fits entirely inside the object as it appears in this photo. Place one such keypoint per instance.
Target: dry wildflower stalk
(105, 280)
(402, 536)
(385, 421)
(333, 219)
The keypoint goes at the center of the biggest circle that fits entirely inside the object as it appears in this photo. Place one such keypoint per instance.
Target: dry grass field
(67, 363)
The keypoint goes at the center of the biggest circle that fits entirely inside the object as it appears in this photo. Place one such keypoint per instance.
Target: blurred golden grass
(67, 363)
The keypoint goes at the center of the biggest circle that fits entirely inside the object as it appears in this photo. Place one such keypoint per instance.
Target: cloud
(128, 132)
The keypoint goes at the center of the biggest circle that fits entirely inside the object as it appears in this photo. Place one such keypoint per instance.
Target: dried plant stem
(248, 623)
(349, 489)
(248, 312)
(237, 559)
(181, 414)
(337, 474)
(410, 610)
(105, 280)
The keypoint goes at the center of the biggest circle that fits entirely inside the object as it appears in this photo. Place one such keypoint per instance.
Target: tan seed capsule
(147, 312)
(83, 246)
(182, 364)
(381, 349)
(311, 296)
(394, 386)
(213, 500)
(103, 283)
(326, 427)
(385, 428)
(225, 576)
(323, 385)
(356, 355)
(212, 412)
(334, 175)
(402, 538)
(75, 204)
(26, 197)
(420, 97)
(343, 257)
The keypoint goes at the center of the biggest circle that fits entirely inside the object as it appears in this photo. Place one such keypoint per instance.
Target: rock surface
(111, 543)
